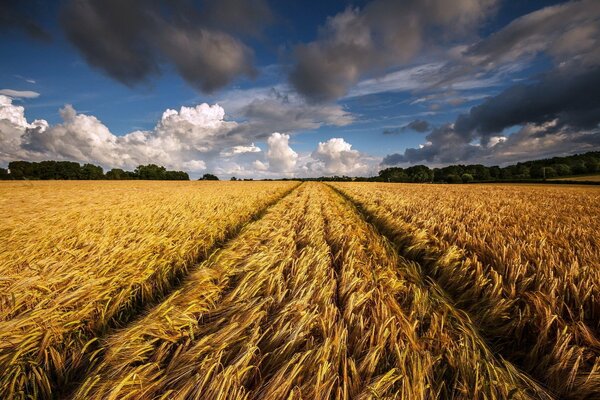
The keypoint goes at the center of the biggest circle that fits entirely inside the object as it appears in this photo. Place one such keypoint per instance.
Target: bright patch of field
(249, 290)
(78, 257)
(522, 261)
(309, 302)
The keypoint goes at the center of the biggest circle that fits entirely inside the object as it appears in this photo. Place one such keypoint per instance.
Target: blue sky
(432, 73)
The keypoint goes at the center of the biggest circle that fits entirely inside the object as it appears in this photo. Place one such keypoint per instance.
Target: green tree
(91, 172)
(467, 178)
(150, 172)
(209, 177)
(176, 176)
(117, 174)
(453, 178)
(22, 169)
(562, 169)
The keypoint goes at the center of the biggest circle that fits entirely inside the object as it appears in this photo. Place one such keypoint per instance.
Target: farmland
(282, 290)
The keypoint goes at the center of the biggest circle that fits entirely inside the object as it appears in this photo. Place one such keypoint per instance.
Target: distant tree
(209, 177)
(562, 169)
(177, 176)
(453, 178)
(4, 174)
(419, 173)
(91, 172)
(117, 174)
(467, 178)
(67, 170)
(150, 172)
(578, 167)
(479, 172)
(233, 178)
(22, 169)
(549, 172)
(592, 165)
(495, 172)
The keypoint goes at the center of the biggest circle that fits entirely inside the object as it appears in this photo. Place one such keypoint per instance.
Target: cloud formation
(417, 125)
(182, 139)
(562, 31)
(195, 139)
(559, 113)
(336, 156)
(280, 155)
(129, 40)
(25, 94)
(19, 15)
(385, 33)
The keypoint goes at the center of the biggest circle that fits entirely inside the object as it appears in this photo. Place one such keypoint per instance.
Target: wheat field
(288, 290)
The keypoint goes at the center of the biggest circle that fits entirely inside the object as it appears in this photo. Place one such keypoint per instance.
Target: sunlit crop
(79, 258)
(248, 290)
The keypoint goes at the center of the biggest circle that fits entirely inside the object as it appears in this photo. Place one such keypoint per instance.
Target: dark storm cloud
(570, 97)
(19, 15)
(129, 40)
(384, 33)
(558, 113)
(418, 125)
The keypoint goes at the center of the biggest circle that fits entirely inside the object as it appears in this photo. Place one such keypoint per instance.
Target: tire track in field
(459, 363)
(424, 259)
(215, 315)
(139, 306)
(307, 302)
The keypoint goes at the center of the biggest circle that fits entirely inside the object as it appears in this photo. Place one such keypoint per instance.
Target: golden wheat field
(288, 290)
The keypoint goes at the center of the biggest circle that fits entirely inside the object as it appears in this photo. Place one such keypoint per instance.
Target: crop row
(309, 301)
(521, 261)
(79, 258)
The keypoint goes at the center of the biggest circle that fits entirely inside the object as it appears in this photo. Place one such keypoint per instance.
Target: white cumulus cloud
(336, 157)
(280, 155)
(194, 139)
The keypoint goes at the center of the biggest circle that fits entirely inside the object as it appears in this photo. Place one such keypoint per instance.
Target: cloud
(280, 155)
(195, 139)
(26, 94)
(558, 95)
(336, 157)
(184, 139)
(28, 80)
(241, 150)
(557, 114)
(418, 125)
(384, 34)
(262, 111)
(130, 40)
(19, 15)
(563, 31)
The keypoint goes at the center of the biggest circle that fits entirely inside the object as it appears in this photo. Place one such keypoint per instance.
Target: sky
(267, 89)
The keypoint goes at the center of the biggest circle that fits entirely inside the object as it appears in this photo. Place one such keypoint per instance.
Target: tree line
(69, 170)
(538, 170)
